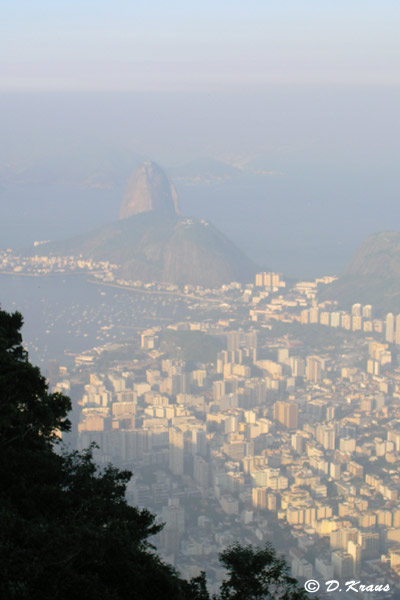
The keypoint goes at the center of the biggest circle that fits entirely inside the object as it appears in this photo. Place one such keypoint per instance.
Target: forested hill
(152, 247)
(372, 275)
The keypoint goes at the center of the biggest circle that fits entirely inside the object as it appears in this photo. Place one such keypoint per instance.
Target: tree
(257, 574)
(66, 530)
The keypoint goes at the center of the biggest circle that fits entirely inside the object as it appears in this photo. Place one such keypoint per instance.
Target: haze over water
(329, 153)
(306, 92)
(252, 407)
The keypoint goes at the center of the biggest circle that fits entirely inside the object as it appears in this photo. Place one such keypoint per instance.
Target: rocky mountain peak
(149, 190)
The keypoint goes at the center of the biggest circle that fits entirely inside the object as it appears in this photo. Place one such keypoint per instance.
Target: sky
(98, 45)
(309, 89)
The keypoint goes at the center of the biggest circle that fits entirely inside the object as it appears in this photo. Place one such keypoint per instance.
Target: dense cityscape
(267, 414)
(200, 301)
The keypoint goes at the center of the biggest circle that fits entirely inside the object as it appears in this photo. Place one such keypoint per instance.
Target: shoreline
(114, 285)
(22, 274)
(159, 292)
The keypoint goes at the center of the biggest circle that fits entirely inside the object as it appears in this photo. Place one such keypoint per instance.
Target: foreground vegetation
(66, 530)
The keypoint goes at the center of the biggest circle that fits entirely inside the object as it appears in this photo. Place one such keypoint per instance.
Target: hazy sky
(307, 88)
(160, 46)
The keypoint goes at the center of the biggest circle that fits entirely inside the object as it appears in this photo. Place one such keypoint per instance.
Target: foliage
(313, 335)
(379, 289)
(257, 575)
(194, 346)
(66, 530)
(27, 413)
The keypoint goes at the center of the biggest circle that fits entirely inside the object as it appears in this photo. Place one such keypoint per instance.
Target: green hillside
(372, 276)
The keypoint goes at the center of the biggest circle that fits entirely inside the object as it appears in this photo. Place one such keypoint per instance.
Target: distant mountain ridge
(372, 275)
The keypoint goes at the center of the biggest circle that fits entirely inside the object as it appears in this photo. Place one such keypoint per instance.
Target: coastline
(154, 292)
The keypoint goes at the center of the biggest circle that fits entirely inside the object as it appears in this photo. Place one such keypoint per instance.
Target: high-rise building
(335, 319)
(346, 321)
(341, 537)
(304, 316)
(199, 442)
(283, 355)
(330, 413)
(356, 310)
(297, 442)
(272, 502)
(275, 280)
(201, 472)
(233, 340)
(174, 515)
(149, 339)
(342, 564)
(250, 339)
(286, 413)
(259, 279)
(176, 447)
(389, 328)
(325, 318)
(314, 369)
(53, 372)
(326, 436)
(370, 544)
(367, 326)
(298, 367)
(367, 311)
(259, 497)
(270, 281)
(347, 444)
(335, 470)
(397, 330)
(218, 389)
(355, 551)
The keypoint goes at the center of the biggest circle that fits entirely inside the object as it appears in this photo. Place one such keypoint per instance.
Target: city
(264, 415)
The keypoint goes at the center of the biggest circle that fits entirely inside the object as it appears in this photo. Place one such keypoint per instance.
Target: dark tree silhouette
(257, 574)
(66, 530)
